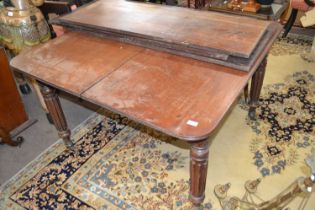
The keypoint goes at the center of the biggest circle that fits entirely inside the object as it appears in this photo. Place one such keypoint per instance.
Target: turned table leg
(199, 154)
(256, 85)
(54, 107)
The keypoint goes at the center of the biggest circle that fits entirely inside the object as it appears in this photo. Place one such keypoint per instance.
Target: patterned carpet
(122, 165)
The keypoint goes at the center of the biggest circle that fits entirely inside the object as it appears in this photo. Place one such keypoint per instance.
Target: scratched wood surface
(182, 97)
(209, 32)
(74, 62)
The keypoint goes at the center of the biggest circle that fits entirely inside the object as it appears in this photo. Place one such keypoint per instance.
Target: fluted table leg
(256, 85)
(199, 154)
(54, 107)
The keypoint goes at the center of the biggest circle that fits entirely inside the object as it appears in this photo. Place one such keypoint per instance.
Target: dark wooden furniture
(12, 113)
(180, 96)
(235, 42)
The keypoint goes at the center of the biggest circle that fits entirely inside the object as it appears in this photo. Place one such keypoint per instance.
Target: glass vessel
(20, 28)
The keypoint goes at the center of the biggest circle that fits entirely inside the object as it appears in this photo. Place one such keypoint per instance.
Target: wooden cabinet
(12, 113)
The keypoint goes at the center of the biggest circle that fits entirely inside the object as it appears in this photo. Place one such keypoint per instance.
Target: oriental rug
(123, 165)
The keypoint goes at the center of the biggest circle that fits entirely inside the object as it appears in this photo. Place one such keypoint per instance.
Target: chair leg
(6, 138)
(290, 22)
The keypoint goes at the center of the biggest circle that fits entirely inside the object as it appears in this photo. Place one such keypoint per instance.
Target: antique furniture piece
(201, 35)
(12, 114)
(135, 67)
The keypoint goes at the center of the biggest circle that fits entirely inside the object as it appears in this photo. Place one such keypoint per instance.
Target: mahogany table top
(179, 96)
(74, 62)
(200, 28)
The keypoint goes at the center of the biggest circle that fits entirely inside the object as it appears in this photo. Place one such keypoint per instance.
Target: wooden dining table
(176, 94)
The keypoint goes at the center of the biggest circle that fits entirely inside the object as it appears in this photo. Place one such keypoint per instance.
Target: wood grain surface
(12, 112)
(179, 96)
(224, 34)
(74, 62)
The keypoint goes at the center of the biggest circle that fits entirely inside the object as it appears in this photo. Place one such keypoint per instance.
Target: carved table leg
(53, 105)
(256, 85)
(199, 154)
